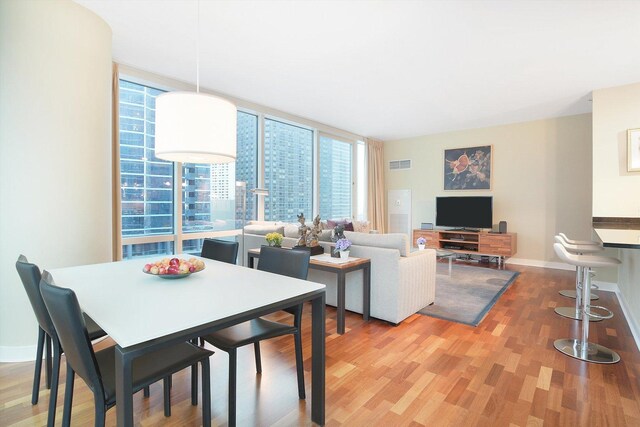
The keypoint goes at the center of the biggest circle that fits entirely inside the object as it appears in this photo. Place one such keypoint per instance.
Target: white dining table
(144, 313)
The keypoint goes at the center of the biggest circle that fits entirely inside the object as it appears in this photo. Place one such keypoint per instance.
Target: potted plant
(421, 242)
(342, 247)
(274, 239)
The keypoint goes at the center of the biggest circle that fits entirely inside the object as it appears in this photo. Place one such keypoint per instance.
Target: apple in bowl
(174, 267)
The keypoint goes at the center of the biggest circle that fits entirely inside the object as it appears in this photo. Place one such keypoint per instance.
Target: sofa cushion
(361, 226)
(264, 229)
(290, 230)
(325, 236)
(399, 241)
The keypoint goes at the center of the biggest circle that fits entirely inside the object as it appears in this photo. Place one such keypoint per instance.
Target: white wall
(55, 156)
(616, 192)
(541, 178)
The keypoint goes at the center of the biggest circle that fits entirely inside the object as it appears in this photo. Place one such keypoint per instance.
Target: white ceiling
(389, 69)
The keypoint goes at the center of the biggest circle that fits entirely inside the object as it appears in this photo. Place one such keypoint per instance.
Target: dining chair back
(30, 276)
(286, 262)
(69, 325)
(220, 250)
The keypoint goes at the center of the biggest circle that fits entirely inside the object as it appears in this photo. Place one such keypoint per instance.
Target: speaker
(426, 226)
(502, 227)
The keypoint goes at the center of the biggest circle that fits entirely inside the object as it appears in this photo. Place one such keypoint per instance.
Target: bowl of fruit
(174, 268)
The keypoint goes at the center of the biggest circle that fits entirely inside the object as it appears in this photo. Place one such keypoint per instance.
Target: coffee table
(442, 253)
(341, 269)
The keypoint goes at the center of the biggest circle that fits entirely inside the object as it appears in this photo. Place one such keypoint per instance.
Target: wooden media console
(482, 243)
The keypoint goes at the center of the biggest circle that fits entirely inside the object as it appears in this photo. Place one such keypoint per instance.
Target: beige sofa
(402, 282)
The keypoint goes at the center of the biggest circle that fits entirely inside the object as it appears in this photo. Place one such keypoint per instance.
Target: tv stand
(480, 243)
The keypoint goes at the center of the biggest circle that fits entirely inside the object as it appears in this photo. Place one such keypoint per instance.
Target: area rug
(468, 295)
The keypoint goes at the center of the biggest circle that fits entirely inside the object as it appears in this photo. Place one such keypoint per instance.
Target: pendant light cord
(198, 49)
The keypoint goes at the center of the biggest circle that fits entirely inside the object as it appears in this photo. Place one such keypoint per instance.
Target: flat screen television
(471, 212)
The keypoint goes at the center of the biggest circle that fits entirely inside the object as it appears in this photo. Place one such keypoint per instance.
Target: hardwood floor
(423, 372)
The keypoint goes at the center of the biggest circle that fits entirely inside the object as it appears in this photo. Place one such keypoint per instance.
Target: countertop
(618, 234)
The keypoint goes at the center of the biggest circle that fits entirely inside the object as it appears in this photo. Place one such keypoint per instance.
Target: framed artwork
(633, 146)
(468, 168)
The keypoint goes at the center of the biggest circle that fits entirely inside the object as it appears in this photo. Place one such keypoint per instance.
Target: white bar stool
(581, 348)
(576, 312)
(575, 293)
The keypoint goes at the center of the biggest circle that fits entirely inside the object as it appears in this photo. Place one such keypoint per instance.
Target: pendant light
(192, 127)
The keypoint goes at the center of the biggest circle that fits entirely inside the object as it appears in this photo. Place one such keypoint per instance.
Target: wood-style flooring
(426, 371)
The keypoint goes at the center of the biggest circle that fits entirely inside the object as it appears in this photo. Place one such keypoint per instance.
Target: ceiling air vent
(395, 165)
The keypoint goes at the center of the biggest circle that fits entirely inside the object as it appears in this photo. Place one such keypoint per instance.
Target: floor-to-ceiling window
(335, 176)
(288, 171)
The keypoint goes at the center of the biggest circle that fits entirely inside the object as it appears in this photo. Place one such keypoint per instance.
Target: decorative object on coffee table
(338, 233)
(312, 239)
(468, 168)
(274, 239)
(303, 231)
(342, 246)
(421, 242)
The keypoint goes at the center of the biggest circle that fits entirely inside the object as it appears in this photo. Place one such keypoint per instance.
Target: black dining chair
(280, 261)
(220, 250)
(30, 275)
(97, 369)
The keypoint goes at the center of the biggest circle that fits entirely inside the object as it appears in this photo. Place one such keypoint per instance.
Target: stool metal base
(572, 313)
(595, 353)
(571, 293)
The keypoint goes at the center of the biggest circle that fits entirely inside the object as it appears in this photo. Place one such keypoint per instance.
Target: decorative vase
(421, 247)
(344, 254)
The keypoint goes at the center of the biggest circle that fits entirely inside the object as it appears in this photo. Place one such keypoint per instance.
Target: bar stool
(574, 293)
(576, 312)
(581, 348)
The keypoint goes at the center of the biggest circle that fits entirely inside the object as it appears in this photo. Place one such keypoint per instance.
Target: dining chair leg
(35, 394)
(194, 385)
(233, 363)
(47, 358)
(100, 410)
(145, 392)
(206, 393)
(256, 349)
(167, 397)
(68, 397)
(55, 377)
(299, 364)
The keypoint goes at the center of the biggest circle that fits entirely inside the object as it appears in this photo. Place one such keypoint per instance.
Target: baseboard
(538, 263)
(631, 321)
(606, 286)
(12, 354)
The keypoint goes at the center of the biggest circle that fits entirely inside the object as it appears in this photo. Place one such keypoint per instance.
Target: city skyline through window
(288, 171)
(335, 176)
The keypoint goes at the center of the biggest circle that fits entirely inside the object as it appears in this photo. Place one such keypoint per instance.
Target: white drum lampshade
(195, 128)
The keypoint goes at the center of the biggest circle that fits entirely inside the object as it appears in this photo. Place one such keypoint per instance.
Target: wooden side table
(341, 270)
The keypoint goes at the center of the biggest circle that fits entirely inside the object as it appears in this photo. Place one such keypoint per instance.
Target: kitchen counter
(618, 232)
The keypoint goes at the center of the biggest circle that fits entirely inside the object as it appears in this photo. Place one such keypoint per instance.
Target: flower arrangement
(342, 245)
(421, 241)
(274, 239)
